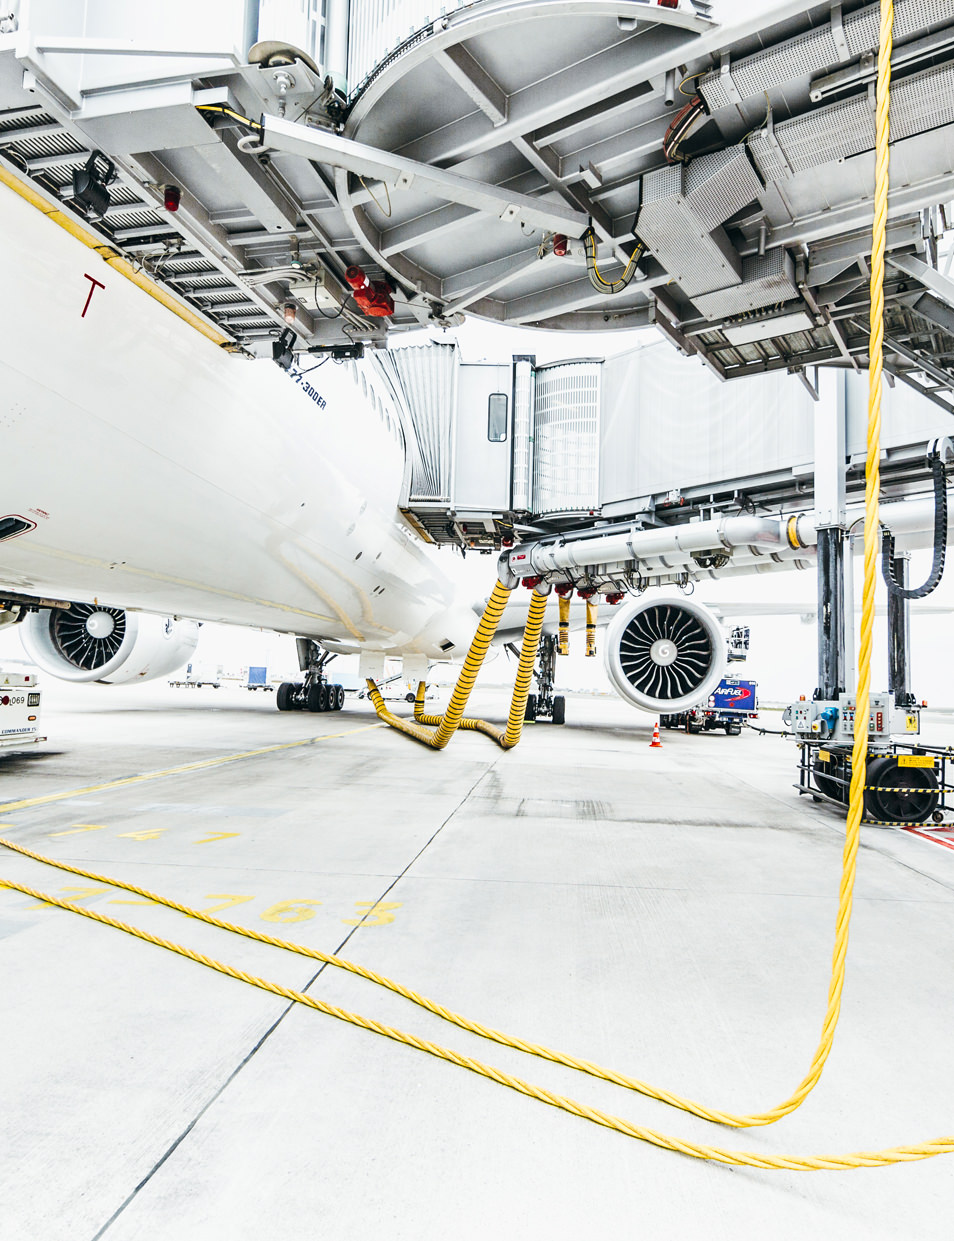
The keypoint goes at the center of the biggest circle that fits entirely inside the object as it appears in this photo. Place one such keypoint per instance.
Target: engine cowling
(665, 654)
(93, 643)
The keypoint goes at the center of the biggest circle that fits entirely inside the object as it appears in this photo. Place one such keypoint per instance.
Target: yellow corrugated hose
(452, 718)
(858, 1159)
(507, 737)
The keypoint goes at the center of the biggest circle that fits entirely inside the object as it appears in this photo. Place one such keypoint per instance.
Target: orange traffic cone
(655, 744)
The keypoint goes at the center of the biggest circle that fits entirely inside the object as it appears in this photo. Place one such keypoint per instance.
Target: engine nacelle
(665, 654)
(92, 643)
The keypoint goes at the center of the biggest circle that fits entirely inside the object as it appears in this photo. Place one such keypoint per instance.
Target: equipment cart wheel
(283, 697)
(530, 711)
(904, 795)
(829, 774)
(559, 710)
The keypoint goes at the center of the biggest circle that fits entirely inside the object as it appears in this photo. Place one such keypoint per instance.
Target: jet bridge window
(497, 407)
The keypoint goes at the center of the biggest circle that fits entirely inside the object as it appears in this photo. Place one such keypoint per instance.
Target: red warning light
(170, 197)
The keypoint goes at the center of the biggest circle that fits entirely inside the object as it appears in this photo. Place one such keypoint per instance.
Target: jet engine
(92, 643)
(665, 654)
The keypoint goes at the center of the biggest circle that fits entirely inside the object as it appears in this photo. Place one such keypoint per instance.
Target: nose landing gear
(543, 704)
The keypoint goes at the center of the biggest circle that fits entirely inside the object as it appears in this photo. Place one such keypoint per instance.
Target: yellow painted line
(176, 771)
(37, 198)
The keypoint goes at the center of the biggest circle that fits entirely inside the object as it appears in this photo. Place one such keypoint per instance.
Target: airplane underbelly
(163, 474)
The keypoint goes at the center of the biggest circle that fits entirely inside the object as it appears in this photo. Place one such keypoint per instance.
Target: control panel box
(835, 721)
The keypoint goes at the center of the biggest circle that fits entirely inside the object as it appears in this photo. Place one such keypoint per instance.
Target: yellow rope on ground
(750, 1159)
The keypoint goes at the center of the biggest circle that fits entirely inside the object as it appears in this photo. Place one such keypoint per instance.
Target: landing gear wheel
(339, 697)
(283, 697)
(559, 709)
(530, 711)
(317, 698)
(907, 795)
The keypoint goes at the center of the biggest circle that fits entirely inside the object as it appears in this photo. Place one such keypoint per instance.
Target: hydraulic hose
(940, 543)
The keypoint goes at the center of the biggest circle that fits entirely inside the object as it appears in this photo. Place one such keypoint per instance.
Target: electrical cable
(223, 110)
(370, 193)
(594, 275)
(940, 543)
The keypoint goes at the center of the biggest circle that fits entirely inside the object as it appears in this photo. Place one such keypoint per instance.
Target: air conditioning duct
(91, 643)
(665, 654)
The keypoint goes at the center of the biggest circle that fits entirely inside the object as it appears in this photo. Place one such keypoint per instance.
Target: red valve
(530, 582)
(587, 592)
(373, 297)
(564, 590)
(614, 598)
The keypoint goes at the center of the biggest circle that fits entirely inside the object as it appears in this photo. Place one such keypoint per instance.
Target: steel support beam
(899, 637)
(831, 613)
(400, 173)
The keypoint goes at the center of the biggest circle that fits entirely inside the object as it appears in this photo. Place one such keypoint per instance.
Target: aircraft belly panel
(174, 477)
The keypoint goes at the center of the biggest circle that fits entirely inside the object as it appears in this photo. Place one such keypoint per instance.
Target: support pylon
(655, 744)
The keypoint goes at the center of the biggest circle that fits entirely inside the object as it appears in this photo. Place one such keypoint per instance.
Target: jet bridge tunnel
(647, 440)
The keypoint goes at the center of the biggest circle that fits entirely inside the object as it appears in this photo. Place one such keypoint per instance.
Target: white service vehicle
(19, 709)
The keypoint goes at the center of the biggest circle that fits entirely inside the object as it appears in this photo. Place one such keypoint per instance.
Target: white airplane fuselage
(168, 476)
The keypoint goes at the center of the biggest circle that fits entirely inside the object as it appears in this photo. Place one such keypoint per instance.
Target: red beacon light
(559, 245)
(171, 195)
(373, 297)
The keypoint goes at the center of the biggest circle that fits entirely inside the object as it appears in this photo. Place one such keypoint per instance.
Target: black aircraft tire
(317, 698)
(530, 711)
(559, 710)
(339, 697)
(283, 697)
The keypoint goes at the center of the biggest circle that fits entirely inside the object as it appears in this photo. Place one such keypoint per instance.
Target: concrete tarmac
(666, 913)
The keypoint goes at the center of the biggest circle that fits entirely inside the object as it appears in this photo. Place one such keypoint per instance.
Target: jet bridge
(326, 179)
(502, 453)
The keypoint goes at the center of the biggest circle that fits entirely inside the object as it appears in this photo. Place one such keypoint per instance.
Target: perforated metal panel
(918, 103)
(716, 186)
(766, 279)
(697, 255)
(817, 50)
(566, 441)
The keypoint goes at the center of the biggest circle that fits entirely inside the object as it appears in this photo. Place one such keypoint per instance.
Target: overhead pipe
(666, 553)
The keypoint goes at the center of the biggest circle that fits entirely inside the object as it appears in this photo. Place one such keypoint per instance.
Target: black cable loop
(940, 543)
